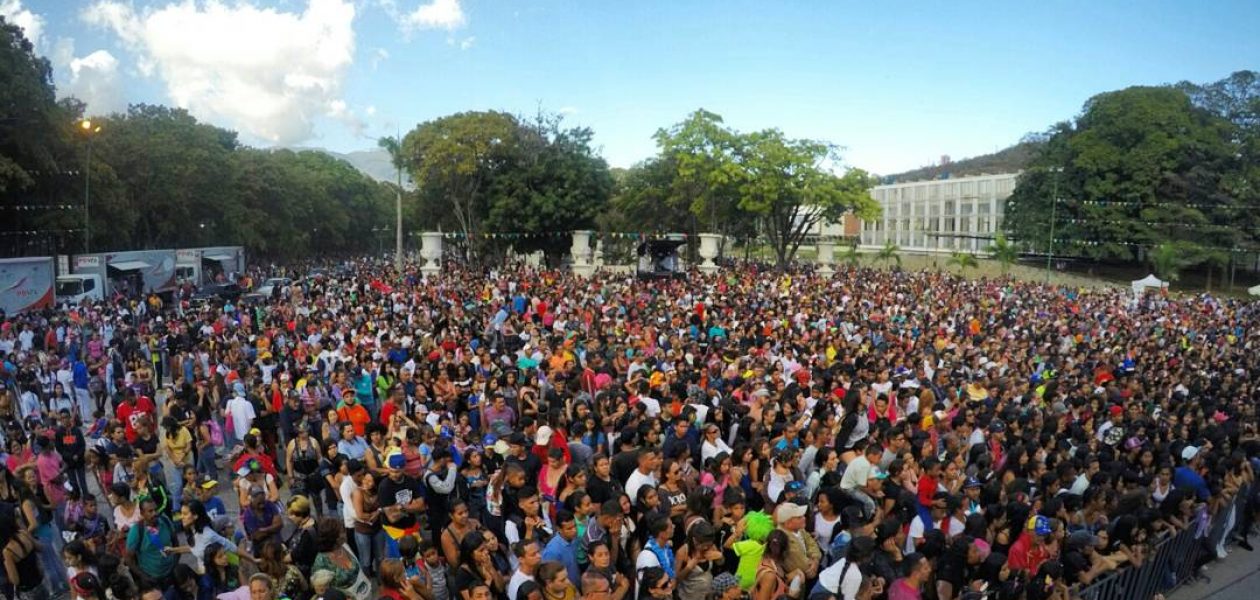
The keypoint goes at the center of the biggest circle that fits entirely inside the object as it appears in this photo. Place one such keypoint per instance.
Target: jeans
(175, 484)
(83, 398)
(78, 477)
(49, 537)
(371, 551)
(206, 462)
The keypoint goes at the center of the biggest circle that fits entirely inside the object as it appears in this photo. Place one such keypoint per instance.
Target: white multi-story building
(939, 215)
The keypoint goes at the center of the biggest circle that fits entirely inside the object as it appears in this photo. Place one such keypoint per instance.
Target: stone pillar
(431, 252)
(826, 256)
(580, 252)
(709, 251)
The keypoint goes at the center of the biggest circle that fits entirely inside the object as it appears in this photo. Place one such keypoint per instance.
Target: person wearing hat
(803, 552)
(1031, 549)
(401, 499)
(349, 410)
(726, 587)
(1189, 476)
(206, 487)
(261, 518)
(240, 412)
(971, 494)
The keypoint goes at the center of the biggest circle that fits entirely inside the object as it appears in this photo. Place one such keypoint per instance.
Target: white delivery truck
(96, 276)
(204, 265)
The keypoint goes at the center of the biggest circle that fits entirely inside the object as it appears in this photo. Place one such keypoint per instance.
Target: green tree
(454, 160)
(1168, 259)
(889, 253)
(555, 182)
(703, 155)
(786, 182)
(963, 260)
(1138, 167)
(851, 257)
(1003, 251)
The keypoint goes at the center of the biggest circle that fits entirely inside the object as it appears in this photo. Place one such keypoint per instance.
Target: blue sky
(897, 83)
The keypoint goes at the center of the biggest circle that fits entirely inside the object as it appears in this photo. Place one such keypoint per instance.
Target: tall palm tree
(851, 257)
(963, 260)
(1003, 251)
(890, 252)
(393, 145)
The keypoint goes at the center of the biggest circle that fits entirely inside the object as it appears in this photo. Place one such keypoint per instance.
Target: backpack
(216, 432)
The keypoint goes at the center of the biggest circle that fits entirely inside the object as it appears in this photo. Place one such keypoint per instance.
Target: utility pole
(398, 234)
(1054, 213)
(89, 131)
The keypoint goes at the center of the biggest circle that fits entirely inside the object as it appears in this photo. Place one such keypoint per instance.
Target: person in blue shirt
(1187, 476)
(215, 508)
(562, 547)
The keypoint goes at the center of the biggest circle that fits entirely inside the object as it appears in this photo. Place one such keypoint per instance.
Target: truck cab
(75, 288)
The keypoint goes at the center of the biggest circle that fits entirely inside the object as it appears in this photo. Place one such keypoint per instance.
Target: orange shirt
(356, 415)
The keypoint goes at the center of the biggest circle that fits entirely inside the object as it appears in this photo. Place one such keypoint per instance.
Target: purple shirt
(255, 520)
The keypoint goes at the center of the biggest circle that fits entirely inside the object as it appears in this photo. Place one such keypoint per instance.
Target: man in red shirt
(132, 410)
(1031, 549)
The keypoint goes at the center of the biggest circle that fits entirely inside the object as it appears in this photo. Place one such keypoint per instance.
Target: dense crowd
(528, 435)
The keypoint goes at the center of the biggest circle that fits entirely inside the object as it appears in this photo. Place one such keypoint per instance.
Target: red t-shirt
(131, 415)
(1024, 555)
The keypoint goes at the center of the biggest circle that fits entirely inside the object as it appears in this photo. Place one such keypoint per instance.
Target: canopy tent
(219, 256)
(1148, 282)
(1254, 290)
(130, 265)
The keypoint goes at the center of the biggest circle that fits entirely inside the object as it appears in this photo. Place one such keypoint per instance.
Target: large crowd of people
(523, 434)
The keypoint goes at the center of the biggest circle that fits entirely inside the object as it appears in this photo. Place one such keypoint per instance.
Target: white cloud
(266, 72)
(438, 14)
(567, 110)
(370, 110)
(380, 56)
(94, 80)
(31, 24)
(468, 42)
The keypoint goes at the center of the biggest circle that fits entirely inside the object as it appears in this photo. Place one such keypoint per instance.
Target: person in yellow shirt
(177, 445)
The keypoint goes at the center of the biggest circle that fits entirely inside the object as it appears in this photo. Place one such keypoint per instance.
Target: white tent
(1254, 290)
(1150, 281)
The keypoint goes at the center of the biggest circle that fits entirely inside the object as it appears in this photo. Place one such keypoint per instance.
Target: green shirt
(148, 543)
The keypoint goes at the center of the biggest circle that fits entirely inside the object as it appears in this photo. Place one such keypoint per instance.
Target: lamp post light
(89, 131)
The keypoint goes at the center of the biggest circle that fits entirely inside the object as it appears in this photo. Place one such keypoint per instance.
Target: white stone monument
(709, 251)
(580, 252)
(431, 252)
(826, 256)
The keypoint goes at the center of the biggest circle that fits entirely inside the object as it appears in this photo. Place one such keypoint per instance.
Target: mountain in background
(373, 163)
(1010, 160)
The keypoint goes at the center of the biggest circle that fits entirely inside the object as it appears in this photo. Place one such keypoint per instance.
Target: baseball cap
(878, 473)
(1116, 409)
(1039, 525)
(543, 437)
(724, 582)
(788, 510)
(396, 460)
(1080, 539)
(501, 448)
(1189, 452)
(206, 482)
(972, 482)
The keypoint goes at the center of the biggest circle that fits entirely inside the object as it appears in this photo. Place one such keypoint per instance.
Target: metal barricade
(1171, 563)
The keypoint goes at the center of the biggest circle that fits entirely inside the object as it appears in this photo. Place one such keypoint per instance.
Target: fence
(1172, 562)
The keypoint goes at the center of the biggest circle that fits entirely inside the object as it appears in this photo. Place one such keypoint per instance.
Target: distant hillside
(1009, 160)
(373, 163)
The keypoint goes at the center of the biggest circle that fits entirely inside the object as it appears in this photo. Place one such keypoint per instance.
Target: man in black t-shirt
(401, 498)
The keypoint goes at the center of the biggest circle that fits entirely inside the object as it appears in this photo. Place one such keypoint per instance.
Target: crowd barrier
(1173, 561)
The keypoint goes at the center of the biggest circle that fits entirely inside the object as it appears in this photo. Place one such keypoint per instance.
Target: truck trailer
(97, 276)
(26, 284)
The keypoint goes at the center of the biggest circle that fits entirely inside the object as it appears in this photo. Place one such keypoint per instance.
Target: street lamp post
(89, 131)
(1054, 213)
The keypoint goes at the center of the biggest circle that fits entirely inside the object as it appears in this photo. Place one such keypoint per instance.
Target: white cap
(1189, 452)
(788, 510)
(543, 437)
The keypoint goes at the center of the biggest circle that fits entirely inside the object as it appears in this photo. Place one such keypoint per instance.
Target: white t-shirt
(651, 406)
(856, 474)
(347, 502)
(242, 416)
(636, 481)
(518, 579)
(829, 578)
(917, 530)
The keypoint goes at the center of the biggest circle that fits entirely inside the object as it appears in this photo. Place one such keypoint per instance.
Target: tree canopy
(1145, 167)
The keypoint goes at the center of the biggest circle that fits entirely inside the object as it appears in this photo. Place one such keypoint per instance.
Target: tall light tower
(90, 132)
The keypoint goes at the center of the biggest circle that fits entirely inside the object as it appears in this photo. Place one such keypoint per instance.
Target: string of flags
(40, 232)
(1203, 226)
(511, 235)
(1157, 204)
(1143, 244)
(41, 206)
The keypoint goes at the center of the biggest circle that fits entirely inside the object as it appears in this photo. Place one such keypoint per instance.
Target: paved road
(1237, 577)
